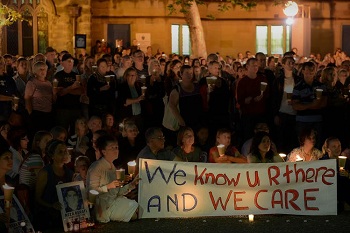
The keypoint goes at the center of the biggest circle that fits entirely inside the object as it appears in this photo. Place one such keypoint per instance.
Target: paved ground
(262, 223)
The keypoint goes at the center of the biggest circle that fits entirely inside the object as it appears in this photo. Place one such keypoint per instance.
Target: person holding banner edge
(111, 204)
(332, 150)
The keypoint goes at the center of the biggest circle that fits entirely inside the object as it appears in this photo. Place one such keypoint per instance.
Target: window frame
(286, 42)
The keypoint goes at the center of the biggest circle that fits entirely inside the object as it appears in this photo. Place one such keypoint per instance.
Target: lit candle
(55, 83)
(342, 160)
(8, 193)
(92, 197)
(299, 159)
(283, 156)
(251, 217)
(131, 167)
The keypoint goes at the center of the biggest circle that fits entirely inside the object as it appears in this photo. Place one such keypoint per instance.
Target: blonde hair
(127, 124)
(327, 142)
(37, 65)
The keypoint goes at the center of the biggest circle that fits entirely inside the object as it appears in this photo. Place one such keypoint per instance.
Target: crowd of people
(65, 119)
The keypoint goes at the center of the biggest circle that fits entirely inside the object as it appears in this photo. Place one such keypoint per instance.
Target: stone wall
(231, 32)
(61, 28)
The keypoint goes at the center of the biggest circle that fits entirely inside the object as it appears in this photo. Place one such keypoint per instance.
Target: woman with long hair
(260, 151)
(48, 208)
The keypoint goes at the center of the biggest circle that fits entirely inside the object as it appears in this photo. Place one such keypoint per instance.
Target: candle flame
(298, 158)
(132, 163)
(282, 155)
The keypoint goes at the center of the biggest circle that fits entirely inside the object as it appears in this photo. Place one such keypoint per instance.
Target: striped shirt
(29, 169)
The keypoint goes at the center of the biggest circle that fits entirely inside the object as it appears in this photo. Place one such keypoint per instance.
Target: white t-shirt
(288, 88)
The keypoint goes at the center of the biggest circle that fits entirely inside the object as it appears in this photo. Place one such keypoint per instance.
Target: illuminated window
(273, 39)
(261, 39)
(180, 39)
(30, 36)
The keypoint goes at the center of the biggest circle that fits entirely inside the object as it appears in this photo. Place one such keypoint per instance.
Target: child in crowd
(79, 141)
(82, 164)
(231, 155)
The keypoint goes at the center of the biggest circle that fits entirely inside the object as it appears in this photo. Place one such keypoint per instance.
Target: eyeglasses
(159, 138)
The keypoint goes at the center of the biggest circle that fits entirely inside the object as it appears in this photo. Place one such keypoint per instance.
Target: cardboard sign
(19, 221)
(75, 209)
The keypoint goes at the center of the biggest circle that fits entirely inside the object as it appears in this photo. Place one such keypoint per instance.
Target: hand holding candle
(319, 93)
(342, 161)
(221, 149)
(15, 102)
(263, 86)
(108, 79)
(299, 159)
(283, 156)
(55, 83)
(78, 78)
(131, 167)
(143, 90)
(120, 173)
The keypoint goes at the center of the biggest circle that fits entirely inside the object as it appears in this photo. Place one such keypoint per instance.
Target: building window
(42, 31)
(31, 35)
(273, 40)
(27, 34)
(180, 39)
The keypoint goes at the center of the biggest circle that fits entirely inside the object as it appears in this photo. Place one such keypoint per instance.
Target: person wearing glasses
(155, 146)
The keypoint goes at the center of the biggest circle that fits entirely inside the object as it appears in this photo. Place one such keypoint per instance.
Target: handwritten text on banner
(179, 189)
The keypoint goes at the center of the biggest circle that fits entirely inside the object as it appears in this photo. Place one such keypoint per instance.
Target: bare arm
(39, 190)
(74, 89)
(134, 101)
(5, 98)
(315, 104)
(173, 103)
(28, 104)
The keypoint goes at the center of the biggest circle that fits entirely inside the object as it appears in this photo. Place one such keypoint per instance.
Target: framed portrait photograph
(75, 208)
(80, 41)
(19, 221)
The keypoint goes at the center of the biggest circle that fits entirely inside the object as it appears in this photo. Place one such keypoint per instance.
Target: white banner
(182, 189)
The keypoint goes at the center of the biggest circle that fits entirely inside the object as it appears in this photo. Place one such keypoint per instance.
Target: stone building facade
(55, 22)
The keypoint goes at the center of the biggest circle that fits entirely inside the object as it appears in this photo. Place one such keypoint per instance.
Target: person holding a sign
(111, 205)
(48, 209)
(332, 150)
(261, 152)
